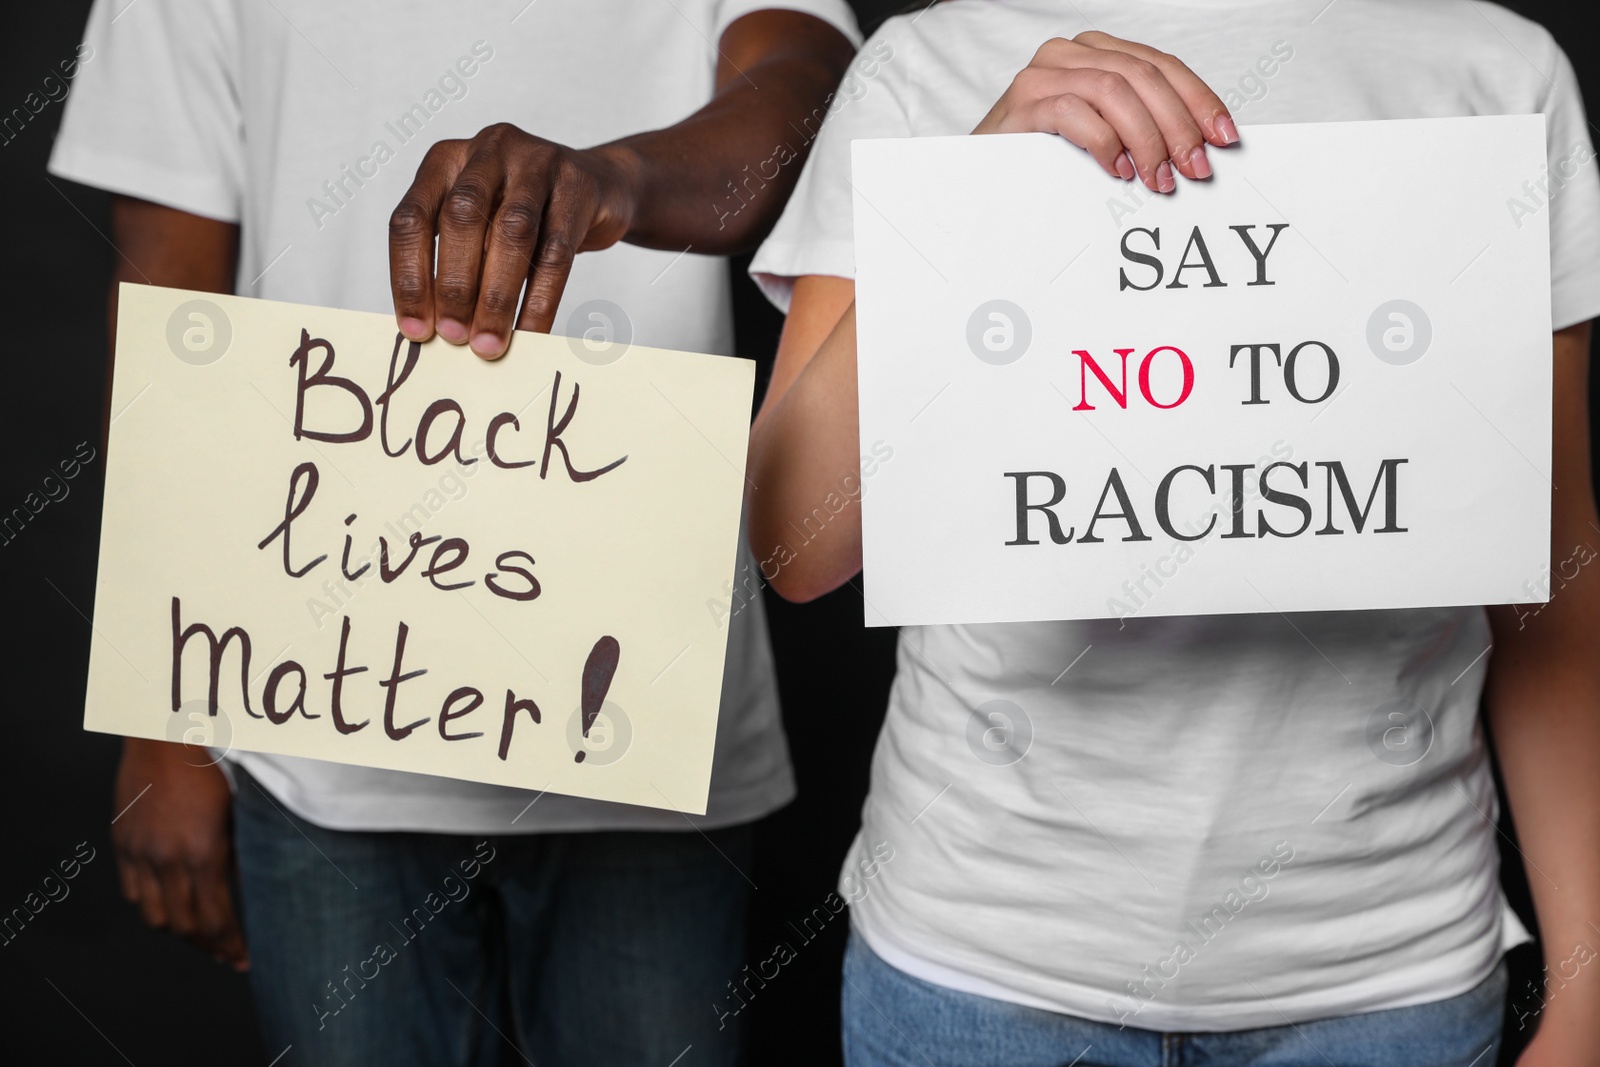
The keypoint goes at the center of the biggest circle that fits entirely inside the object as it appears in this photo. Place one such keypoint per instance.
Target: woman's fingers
(1075, 119)
(1100, 111)
(1184, 139)
(1204, 106)
(1130, 114)
(1135, 109)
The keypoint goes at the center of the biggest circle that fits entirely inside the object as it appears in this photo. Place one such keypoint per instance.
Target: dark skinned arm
(172, 839)
(508, 206)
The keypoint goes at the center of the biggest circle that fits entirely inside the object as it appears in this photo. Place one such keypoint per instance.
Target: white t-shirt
(1209, 831)
(305, 121)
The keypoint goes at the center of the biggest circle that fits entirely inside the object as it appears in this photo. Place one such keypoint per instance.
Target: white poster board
(1319, 381)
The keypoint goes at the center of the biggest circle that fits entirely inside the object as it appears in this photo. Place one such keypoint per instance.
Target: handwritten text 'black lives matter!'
(448, 565)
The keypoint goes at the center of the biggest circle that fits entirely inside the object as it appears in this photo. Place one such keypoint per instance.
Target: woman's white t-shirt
(1214, 825)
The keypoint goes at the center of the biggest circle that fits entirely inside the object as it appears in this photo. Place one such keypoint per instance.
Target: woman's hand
(1131, 107)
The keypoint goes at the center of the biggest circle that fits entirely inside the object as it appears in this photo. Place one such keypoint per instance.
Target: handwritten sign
(322, 540)
(1319, 381)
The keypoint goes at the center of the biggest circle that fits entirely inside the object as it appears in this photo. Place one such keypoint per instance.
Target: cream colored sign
(321, 540)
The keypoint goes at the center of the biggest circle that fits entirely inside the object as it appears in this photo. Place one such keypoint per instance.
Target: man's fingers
(128, 878)
(217, 925)
(177, 900)
(232, 950)
(566, 224)
(411, 229)
(464, 219)
(151, 898)
(512, 238)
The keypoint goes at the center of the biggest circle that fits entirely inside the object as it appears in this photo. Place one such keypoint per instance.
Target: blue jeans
(568, 949)
(894, 1020)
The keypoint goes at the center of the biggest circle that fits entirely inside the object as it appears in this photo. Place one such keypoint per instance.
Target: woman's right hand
(1135, 109)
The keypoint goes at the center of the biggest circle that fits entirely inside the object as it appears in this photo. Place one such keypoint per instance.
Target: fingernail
(1164, 180)
(1199, 163)
(1226, 130)
(452, 331)
(1125, 169)
(487, 344)
(414, 329)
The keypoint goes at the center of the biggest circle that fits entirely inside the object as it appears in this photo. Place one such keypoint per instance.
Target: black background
(85, 982)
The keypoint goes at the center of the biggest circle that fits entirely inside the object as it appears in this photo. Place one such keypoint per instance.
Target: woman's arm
(803, 445)
(1544, 710)
(1136, 110)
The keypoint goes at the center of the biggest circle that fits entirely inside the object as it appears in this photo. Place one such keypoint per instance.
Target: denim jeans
(894, 1020)
(570, 949)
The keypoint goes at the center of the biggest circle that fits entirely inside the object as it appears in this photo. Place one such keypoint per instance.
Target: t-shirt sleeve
(815, 234)
(155, 107)
(1574, 199)
(836, 13)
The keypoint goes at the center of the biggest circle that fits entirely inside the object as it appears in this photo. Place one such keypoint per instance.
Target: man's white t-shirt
(304, 122)
(1202, 835)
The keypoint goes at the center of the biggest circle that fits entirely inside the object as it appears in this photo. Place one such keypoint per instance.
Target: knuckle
(1065, 106)
(1092, 38)
(161, 858)
(1109, 83)
(1102, 142)
(209, 861)
(409, 289)
(558, 251)
(441, 150)
(495, 132)
(456, 291)
(1050, 48)
(568, 171)
(517, 222)
(409, 219)
(464, 205)
(498, 302)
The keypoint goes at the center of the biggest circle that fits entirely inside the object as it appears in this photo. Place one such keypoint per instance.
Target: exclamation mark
(598, 670)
